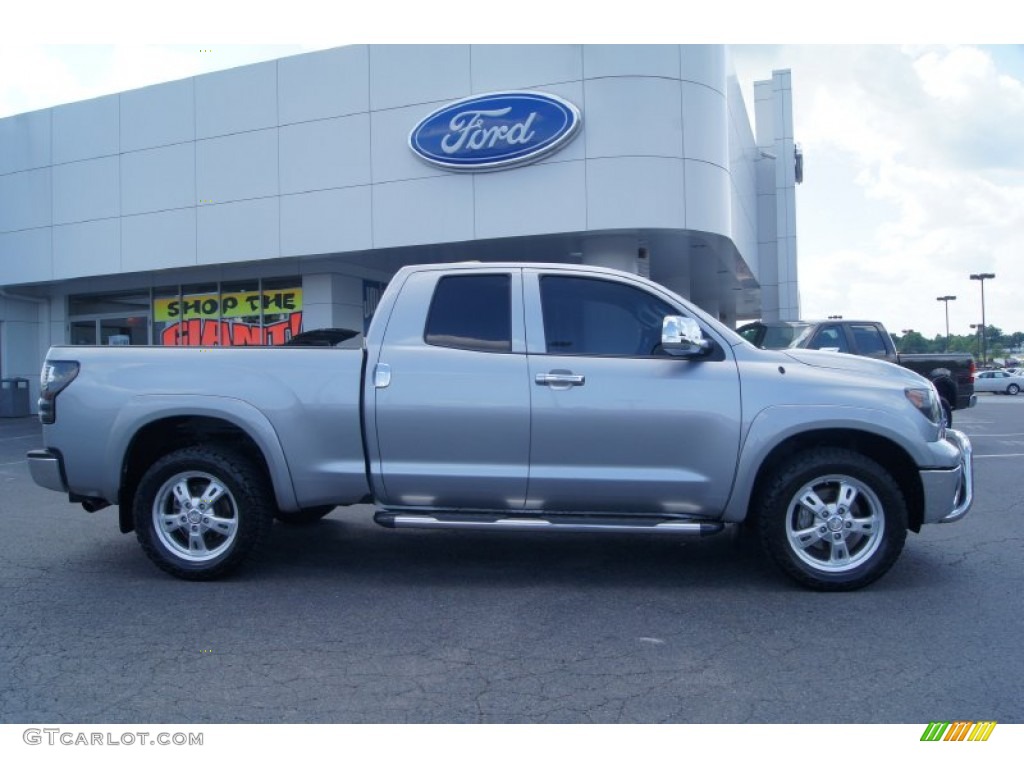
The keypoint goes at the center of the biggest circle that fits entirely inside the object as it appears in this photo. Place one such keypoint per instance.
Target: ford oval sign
(495, 130)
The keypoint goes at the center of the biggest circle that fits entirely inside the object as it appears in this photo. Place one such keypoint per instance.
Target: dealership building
(244, 206)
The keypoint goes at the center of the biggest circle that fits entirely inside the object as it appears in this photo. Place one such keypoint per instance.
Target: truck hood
(865, 366)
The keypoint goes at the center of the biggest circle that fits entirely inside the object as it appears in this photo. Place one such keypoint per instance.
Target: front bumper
(949, 493)
(47, 469)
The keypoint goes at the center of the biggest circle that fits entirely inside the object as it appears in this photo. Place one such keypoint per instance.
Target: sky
(913, 145)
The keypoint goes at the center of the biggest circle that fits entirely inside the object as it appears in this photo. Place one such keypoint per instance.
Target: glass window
(830, 337)
(869, 340)
(281, 301)
(782, 336)
(167, 328)
(197, 313)
(124, 331)
(752, 333)
(126, 303)
(83, 332)
(584, 316)
(472, 312)
(240, 314)
(372, 292)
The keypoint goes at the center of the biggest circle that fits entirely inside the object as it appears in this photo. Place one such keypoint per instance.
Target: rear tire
(833, 519)
(200, 511)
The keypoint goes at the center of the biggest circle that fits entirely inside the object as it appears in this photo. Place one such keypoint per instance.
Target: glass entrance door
(116, 331)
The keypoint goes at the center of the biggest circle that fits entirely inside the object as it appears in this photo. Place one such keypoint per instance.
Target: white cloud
(932, 138)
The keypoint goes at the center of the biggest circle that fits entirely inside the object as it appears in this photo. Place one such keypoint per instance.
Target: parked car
(509, 397)
(1000, 382)
(952, 373)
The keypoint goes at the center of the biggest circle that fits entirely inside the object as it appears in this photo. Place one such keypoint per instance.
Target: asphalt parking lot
(346, 622)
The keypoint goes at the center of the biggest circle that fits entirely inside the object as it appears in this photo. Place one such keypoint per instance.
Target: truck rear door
(451, 419)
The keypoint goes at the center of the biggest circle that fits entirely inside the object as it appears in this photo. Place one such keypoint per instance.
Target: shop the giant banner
(230, 319)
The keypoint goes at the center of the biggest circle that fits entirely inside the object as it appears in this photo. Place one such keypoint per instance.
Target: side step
(551, 523)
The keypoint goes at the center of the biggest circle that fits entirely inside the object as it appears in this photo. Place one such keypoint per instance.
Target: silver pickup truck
(509, 397)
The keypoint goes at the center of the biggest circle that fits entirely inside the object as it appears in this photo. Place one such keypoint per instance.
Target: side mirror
(682, 337)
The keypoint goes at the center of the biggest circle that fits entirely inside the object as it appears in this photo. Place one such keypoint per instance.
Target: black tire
(833, 519)
(193, 536)
(1013, 389)
(306, 516)
(947, 413)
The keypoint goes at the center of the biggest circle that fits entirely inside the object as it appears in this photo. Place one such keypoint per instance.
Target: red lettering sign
(211, 333)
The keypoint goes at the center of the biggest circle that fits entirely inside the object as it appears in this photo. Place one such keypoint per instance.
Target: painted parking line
(998, 455)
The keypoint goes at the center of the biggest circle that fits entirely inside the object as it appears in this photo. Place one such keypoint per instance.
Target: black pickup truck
(952, 373)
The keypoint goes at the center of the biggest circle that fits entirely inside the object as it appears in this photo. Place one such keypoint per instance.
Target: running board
(567, 523)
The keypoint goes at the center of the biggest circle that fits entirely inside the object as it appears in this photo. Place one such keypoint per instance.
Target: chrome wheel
(835, 523)
(200, 511)
(195, 516)
(832, 518)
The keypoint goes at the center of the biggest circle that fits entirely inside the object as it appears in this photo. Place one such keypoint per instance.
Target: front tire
(1013, 389)
(833, 519)
(200, 511)
(947, 414)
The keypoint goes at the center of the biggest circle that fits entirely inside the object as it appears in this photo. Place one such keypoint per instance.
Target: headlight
(926, 400)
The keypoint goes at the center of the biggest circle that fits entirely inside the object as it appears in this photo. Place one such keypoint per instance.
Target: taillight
(971, 371)
(56, 375)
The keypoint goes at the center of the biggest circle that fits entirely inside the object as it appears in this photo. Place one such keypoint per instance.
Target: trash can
(14, 398)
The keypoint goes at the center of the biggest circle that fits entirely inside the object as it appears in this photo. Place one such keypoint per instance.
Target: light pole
(977, 332)
(982, 277)
(945, 300)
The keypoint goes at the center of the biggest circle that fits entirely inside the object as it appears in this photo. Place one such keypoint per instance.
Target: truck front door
(617, 424)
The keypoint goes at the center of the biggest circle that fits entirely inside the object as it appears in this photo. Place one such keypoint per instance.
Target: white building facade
(243, 206)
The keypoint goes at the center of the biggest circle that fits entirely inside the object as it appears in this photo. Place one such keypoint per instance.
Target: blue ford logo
(495, 130)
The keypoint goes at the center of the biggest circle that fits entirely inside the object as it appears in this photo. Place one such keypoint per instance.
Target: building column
(22, 343)
(332, 301)
(613, 251)
(673, 271)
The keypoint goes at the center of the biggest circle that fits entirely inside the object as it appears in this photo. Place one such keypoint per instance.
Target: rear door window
(471, 312)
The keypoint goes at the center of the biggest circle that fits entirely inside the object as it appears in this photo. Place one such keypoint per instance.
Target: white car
(999, 382)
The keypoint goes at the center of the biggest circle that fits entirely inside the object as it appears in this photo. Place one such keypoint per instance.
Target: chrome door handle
(561, 379)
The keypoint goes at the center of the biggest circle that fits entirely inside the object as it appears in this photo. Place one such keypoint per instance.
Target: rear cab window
(471, 312)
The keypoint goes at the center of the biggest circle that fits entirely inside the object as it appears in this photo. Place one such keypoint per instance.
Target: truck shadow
(352, 547)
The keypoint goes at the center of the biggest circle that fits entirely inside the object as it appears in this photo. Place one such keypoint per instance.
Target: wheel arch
(169, 432)
(947, 389)
(882, 450)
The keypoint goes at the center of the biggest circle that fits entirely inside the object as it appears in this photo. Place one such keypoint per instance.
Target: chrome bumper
(47, 470)
(949, 493)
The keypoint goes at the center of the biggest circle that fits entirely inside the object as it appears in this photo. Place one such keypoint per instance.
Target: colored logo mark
(495, 131)
(960, 730)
